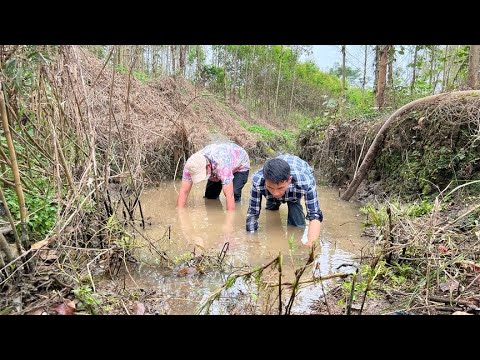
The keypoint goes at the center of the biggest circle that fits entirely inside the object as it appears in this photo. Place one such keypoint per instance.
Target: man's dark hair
(276, 170)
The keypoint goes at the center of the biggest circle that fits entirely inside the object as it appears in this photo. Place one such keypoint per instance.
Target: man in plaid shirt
(286, 179)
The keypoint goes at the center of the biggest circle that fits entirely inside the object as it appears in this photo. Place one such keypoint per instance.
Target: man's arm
(314, 214)
(183, 193)
(254, 206)
(228, 191)
(313, 232)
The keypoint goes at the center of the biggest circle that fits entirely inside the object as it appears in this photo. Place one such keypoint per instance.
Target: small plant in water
(183, 258)
(291, 244)
(88, 299)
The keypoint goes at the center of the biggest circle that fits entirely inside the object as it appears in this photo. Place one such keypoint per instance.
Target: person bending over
(226, 167)
(286, 179)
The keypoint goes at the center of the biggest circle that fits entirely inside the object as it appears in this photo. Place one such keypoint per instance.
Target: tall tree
(225, 66)
(431, 78)
(391, 60)
(266, 76)
(382, 76)
(294, 61)
(446, 69)
(182, 58)
(197, 73)
(344, 85)
(414, 69)
(364, 71)
(173, 51)
(236, 65)
(278, 81)
(474, 67)
(344, 50)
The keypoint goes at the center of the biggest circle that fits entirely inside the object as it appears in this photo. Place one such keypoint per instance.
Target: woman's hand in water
(227, 227)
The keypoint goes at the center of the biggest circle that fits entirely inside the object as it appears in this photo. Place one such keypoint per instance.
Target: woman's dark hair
(276, 170)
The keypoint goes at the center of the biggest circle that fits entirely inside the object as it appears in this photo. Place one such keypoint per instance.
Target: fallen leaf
(48, 255)
(67, 307)
(469, 265)
(36, 312)
(474, 300)
(42, 243)
(70, 303)
(188, 270)
(449, 285)
(183, 271)
(138, 308)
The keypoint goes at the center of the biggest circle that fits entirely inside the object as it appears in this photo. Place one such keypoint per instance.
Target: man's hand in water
(313, 234)
(306, 241)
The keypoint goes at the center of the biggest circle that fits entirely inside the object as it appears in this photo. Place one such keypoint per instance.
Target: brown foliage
(162, 123)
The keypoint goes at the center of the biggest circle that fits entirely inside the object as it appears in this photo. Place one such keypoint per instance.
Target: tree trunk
(364, 72)
(235, 74)
(391, 60)
(474, 67)
(250, 85)
(6, 248)
(293, 87)
(264, 91)
(344, 85)
(382, 77)
(432, 66)
(198, 72)
(376, 68)
(173, 59)
(446, 70)
(225, 89)
(246, 76)
(182, 59)
(414, 67)
(278, 82)
(344, 48)
(377, 142)
(15, 169)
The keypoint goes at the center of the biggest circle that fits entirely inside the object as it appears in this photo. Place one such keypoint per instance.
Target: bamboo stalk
(6, 248)
(12, 223)
(352, 292)
(4, 157)
(16, 174)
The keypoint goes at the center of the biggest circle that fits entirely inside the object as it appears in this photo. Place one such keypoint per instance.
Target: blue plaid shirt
(302, 184)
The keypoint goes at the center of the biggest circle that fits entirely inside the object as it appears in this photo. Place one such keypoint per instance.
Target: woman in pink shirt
(226, 167)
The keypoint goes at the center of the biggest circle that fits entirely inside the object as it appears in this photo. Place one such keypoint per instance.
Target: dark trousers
(213, 188)
(296, 216)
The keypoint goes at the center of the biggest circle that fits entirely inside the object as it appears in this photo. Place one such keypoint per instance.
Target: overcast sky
(326, 55)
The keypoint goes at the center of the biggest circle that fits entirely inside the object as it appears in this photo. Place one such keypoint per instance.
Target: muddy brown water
(206, 224)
